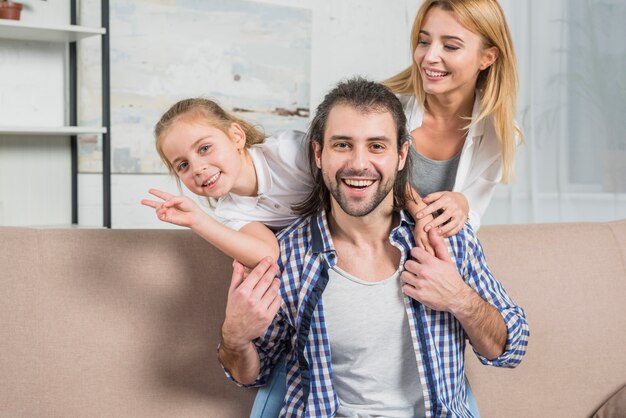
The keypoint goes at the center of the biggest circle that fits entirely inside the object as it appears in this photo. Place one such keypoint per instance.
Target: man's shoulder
(296, 253)
(464, 242)
(304, 238)
(299, 230)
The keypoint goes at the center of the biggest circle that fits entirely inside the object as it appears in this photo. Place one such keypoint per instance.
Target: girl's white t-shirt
(284, 178)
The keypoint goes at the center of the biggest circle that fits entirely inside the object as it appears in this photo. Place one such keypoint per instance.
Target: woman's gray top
(429, 176)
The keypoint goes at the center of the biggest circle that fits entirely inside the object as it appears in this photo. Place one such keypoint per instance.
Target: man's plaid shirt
(299, 330)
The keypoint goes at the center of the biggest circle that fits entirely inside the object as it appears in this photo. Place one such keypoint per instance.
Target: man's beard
(359, 207)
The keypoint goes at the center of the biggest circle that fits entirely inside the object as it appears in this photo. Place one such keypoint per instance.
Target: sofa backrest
(113, 323)
(571, 281)
(125, 323)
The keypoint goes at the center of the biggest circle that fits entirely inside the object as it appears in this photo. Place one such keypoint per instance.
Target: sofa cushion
(113, 323)
(614, 407)
(571, 281)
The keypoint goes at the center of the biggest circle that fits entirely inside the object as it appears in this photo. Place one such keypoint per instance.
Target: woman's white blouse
(480, 164)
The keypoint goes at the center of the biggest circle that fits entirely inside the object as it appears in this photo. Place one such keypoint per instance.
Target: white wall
(349, 37)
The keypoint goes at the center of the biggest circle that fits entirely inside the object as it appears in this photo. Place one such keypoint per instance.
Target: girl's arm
(249, 245)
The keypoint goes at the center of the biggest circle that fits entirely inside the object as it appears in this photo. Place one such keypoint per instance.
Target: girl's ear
(317, 153)
(490, 55)
(238, 135)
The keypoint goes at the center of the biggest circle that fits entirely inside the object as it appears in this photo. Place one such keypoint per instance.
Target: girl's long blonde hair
(209, 112)
(498, 83)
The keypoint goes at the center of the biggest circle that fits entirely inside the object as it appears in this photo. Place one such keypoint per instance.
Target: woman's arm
(479, 192)
(468, 202)
(453, 209)
(415, 205)
(249, 245)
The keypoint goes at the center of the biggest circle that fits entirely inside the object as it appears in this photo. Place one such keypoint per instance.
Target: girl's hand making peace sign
(178, 210)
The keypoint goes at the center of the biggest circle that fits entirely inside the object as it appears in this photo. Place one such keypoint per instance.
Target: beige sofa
(124, 323)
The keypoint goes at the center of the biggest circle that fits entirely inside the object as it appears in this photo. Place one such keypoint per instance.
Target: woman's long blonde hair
(209, 112)
(498, 83)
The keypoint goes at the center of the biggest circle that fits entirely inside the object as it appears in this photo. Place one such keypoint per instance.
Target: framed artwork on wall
(252, 58)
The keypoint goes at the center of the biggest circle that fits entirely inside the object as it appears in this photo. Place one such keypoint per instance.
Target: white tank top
(373, 360)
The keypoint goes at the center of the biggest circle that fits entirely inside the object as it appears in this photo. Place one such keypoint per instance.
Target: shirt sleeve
(293, 157)
(235, 224)
(480, 191)
(484, 176)
(491, 290)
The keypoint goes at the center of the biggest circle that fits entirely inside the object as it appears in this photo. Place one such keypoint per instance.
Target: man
(370, 325)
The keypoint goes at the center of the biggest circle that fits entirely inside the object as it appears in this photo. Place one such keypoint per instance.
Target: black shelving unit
(106, 115)
(71, 35)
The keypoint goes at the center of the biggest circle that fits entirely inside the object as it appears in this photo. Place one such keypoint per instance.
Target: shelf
(51, 130)
(10, 29)
(70, 35)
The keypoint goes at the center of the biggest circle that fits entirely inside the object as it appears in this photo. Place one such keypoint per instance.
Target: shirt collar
(477, 129)
(405, 220)
(321, 241)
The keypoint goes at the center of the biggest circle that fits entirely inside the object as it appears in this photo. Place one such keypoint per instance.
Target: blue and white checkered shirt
(299, 330)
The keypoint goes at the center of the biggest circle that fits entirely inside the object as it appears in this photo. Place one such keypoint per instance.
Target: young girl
(459, 96)
(251, 181)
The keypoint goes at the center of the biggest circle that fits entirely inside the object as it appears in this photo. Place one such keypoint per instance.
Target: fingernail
(427, 228)
(420, 214)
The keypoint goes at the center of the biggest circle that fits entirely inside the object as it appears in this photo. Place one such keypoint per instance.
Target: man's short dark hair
(367, 97)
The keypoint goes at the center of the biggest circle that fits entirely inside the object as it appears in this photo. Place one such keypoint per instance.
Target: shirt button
(276, 205)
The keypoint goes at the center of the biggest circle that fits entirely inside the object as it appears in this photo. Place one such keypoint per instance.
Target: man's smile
(359, 184)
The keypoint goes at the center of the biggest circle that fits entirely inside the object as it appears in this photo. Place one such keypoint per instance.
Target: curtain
(572, 111)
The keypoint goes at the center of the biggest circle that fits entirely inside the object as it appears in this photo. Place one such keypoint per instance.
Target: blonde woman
(459, 96)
